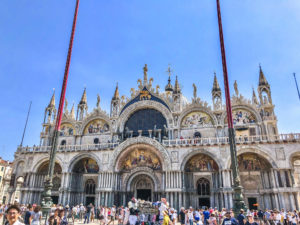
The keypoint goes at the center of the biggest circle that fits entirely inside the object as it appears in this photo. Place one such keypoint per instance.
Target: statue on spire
(145, 74)
(66, 106)
(98, 101)
(236, 88)
(195, 91)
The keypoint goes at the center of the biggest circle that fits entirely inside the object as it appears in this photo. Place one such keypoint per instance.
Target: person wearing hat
(229, 220)
(241, 218)
(12, 215)
(251, 220)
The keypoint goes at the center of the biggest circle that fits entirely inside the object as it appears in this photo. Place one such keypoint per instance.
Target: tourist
(241, 218)
(63, 217)
(82, 212)
(92, 213)
(190, 215)
(36, 216)
(251, 220)
(228, 220)
(126, 216)
(198, 217)
(166, 218)
(212, 219)
(13, 214)
(28, 214)
(182, 216)
(206, 215)
(54, 219)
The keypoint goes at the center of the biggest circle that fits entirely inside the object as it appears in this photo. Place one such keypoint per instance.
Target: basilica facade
(155, 143)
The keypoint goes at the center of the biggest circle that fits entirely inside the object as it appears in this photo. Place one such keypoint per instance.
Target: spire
(169, 86)
(52, 101)
(116, 95)
(72, 113)
(216, 86)
(254, 98)
(177, 87)
(83, 98)
(262, 79)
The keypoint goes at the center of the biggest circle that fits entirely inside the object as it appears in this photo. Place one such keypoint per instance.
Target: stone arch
(19, 168)
(292, 158)
(192, 153)
(263, 154)
(294, 161)
(89, 120)
(141, 171)
(124, 116)
(246, 108)
(45, 159)
(78, 157)
(133, 142)
(65, 128)
(43, 168)
(197, 109)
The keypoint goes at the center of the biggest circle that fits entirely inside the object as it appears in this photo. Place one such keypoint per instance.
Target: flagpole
(297, 85)
(47, 200)
(21, 144)
(238, 202)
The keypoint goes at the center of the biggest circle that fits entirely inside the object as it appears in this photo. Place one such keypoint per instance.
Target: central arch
(142, 186)
(140, 142)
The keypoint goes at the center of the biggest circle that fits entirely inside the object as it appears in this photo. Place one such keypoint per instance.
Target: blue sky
(115, 38)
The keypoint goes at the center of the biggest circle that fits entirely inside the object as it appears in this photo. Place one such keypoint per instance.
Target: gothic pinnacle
(116, 95)
(216, 86)
(52, 101)
(83, 98)
(262, 78)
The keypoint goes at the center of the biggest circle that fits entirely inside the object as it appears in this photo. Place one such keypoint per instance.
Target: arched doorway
(140, 170)
(41, 174)
(203, 191)
(201, 176)
(255, 176)
(89, 189)
(83, 181)
(142, 186)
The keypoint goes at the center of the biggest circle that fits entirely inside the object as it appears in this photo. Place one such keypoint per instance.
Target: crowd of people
(131, 215)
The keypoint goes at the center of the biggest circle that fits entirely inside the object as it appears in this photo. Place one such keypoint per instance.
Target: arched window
(145, 120)
(197, 134)
(96, 141)
(90, 187)
(203, 187)
(63, 142)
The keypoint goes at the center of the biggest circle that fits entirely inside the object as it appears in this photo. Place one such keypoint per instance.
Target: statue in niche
(265, 100)
(127, 133)
(218, 103)
(236, 88)
(98, 101)
(154, 131)
(195, 91)
(165, 132)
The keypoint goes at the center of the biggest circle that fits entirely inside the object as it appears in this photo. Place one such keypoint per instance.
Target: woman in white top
(36, 216)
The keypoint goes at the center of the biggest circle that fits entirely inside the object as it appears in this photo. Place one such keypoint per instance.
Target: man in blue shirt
(241, 218)
(228, 220)
(206, 215)
(28, 214)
